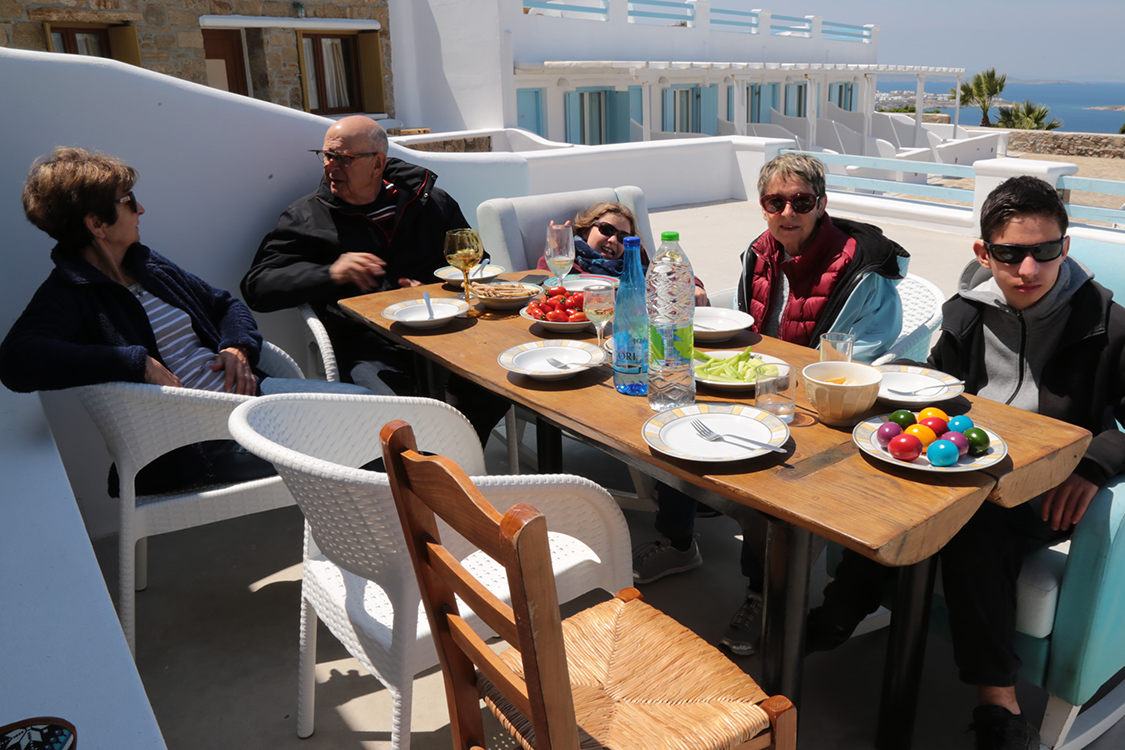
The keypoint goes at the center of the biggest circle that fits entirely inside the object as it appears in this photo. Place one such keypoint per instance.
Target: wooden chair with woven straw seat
(618, 675)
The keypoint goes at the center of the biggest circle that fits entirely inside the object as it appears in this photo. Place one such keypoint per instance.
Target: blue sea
(1067, 101)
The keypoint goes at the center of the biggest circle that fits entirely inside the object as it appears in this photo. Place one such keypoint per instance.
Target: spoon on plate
(925, 388)
(429, 307)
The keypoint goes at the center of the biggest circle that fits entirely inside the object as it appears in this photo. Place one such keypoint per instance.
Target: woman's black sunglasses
(802, 203)
(611, 231)
(1043, 252)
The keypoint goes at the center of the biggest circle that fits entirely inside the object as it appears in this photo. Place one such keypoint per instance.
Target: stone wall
(172, 42)
(1067, 144)
(476, 144)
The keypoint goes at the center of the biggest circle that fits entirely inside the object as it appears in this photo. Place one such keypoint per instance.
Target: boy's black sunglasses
(1043, 252)
(802, 203)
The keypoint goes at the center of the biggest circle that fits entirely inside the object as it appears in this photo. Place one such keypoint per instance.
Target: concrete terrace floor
(217, 629)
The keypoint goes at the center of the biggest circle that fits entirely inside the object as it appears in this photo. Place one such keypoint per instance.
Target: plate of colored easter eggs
(929, 440)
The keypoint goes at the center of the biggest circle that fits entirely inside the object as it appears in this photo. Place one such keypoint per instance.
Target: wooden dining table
(823, 485)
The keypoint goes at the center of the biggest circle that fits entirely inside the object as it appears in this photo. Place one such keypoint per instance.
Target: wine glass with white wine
(463, 250)
(598, 304)
(560, 250)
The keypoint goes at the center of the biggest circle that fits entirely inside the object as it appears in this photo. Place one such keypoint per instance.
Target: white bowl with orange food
(841, 392)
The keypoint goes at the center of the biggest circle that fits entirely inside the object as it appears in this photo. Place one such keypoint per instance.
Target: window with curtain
(331, 73)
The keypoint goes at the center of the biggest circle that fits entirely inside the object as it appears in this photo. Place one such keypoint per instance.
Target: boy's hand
(1065, 505)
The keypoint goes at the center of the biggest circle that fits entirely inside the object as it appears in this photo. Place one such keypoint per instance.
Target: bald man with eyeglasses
(374, 223)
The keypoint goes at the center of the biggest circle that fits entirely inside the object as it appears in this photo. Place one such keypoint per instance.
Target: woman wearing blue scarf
(599, 234)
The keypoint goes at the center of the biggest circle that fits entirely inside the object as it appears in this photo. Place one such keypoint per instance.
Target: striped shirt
(179, 347)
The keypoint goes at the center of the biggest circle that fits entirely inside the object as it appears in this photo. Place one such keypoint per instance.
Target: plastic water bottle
(670, 299)
(630, 325)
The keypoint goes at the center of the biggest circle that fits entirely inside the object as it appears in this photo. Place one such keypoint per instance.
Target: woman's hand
(701, 297)
(158, 374)
(240, 378)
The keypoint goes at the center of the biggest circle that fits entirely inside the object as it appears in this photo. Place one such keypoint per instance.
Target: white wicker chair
(321, 355)
(140, 422)
(921, 316)
(363, 577)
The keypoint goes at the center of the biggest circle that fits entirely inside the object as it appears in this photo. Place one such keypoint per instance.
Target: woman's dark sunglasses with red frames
(1043, 252)
(802, 203)
(611, 231)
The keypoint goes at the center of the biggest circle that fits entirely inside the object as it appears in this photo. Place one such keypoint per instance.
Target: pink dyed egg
(890, 430)
(957, 439)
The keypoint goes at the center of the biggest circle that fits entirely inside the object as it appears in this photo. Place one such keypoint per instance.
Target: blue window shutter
(529, 110)
(669, 124)
(573, 118)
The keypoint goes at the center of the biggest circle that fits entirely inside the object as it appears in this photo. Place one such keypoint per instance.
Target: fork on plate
(707, 433)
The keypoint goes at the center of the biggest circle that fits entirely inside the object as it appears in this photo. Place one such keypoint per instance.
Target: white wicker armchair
(921, 316)
(359, 579)
(140, 422)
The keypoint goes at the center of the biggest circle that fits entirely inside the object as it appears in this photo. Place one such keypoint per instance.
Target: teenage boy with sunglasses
(1029, 327)
(806, 275)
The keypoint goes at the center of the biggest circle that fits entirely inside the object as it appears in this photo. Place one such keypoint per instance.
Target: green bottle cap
(670, 237)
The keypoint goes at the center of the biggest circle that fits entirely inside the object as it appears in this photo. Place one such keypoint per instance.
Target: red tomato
(557, 316)
(548, 304)
(578, 299)
(534, 311)
(556, 291)
(577, 316)
(568, 304)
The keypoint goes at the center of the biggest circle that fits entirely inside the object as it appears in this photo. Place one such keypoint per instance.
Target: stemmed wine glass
(463, 250)
(598, 304)
(560, 249)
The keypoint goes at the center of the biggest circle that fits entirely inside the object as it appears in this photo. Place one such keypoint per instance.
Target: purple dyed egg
(890, 430)
(957, 439)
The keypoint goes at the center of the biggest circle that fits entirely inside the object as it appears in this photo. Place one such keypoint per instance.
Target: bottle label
(683, 344)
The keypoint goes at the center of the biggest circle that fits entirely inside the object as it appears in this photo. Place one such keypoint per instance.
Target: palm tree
(1027, 116)
(981, 91)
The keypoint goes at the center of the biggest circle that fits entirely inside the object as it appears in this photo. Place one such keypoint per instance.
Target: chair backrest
(318, 442)
(921, 316)
(424, 486)
(514, 230)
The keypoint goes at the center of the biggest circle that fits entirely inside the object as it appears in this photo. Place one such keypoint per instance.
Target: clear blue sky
(1027, 39)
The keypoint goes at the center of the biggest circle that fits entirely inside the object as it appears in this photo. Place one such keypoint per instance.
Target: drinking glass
(597, 303)
(560, 249)
(463, 250)
(836, 347)
(775, 390)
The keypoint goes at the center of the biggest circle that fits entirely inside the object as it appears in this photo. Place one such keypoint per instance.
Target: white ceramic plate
(719, 324)
(723, 385)
(909, 378)
(531, 358)
(504, 303)
(578, 281)
(556, 326)
(413, 312)
(865, 438)
(452, 276)
(670, 432)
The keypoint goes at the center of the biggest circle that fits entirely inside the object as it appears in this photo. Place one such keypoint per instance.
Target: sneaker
(823, 635)
(997, 728)
(658, 559)
(745, 627)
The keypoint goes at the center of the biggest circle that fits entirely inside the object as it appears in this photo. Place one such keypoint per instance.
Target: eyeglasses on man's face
(344, 160)
(129, 199)
(611, 231)
(1042, 252)
(802, 203)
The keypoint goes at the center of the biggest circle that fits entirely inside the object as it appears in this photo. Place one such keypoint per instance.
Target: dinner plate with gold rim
(670, 432)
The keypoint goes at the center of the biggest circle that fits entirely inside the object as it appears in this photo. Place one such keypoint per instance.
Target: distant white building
(614, 71)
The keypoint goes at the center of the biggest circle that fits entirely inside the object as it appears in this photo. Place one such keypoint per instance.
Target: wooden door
(226, 66)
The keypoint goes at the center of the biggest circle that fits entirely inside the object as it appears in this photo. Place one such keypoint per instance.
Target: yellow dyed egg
(922, 432)
(932, 411)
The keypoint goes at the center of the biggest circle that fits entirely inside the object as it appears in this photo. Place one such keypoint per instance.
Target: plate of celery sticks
(731, 370)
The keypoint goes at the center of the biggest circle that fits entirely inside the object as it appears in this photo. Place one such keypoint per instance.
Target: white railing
(687, 13)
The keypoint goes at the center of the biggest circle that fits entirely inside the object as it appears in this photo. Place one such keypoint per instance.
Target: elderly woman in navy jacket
(113, 310)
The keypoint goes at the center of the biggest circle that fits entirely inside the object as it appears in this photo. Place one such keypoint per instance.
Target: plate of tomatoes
(930, 440)
(560, 310)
